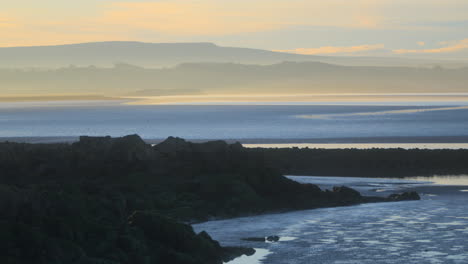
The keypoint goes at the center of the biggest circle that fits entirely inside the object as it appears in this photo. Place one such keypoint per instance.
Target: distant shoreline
(55, 98)
(377, 99)
(350, 140)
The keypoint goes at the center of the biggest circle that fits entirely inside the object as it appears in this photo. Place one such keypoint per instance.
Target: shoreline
(350, 140)
(428, 191)
(56, 98)
(423, 188)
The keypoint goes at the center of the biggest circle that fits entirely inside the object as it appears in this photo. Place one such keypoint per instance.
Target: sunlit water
(361, 145)
(433, 230)
(283, 122)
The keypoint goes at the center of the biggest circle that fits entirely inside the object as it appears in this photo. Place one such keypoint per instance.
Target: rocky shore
(119, 200)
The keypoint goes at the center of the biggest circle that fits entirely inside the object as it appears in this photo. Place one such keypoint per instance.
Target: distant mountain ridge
(136, 53)
(157, 55)
(232, 78)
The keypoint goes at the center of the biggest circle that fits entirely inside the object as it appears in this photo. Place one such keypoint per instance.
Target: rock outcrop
(262, 239)
(406, 196)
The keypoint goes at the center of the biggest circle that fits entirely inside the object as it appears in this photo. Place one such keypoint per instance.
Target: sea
(249, 124)
(432, 230)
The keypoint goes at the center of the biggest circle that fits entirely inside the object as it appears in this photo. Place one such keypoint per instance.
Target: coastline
(55, 98)
(350, 140)
(380, 160)
(109, 199)
(296, 227)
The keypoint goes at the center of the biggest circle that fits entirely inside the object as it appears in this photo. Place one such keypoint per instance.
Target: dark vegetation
(120, 200)
(366, 162)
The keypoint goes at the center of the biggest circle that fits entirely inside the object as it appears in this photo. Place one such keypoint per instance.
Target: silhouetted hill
(170, 54)
(374, 163)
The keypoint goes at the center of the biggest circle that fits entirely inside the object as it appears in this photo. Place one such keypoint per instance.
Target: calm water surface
(234, 121)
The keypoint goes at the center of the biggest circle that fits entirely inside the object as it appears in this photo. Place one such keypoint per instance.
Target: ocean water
(233, 121)
(432, 230)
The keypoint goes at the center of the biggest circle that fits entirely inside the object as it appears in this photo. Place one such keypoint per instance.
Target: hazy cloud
(457, 46)
(6, 21)
(214, 17)
(334, 50)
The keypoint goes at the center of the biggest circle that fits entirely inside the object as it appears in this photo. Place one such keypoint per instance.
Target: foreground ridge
(120, 200)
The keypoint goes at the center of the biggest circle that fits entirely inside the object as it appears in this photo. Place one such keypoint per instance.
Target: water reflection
(378, 113)
(260, 254)
(458, 180)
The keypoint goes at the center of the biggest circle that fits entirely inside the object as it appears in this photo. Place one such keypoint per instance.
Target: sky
(410, 28)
